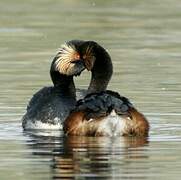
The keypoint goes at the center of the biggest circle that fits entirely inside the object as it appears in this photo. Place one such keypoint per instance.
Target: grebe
(49, 107)
(125, 122)
(106, 114)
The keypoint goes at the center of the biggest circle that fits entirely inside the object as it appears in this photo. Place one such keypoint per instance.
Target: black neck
(63, 83)
(101, 72)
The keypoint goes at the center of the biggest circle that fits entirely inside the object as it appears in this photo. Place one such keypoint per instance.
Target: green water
(144, 41)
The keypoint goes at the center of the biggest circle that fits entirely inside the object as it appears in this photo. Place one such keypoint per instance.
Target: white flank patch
(40, 125)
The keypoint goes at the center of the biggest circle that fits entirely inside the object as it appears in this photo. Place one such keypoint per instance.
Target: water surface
(144, 40)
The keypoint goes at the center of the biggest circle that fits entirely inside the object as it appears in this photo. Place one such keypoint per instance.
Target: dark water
(144, 40)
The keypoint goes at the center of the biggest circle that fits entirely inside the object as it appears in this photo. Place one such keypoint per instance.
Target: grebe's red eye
(77, 56)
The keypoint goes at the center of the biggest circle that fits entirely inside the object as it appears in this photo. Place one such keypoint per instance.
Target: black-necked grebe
(105, 114)
(51, 105)
(126, 122)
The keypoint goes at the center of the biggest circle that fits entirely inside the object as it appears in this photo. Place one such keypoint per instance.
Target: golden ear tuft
(89, 58)
(65, 56)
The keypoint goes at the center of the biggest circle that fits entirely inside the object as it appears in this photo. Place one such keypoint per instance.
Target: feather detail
(65, 56)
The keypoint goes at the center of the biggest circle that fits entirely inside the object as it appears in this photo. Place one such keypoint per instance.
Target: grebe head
(98, 61)
(68, 61)
(76, 55)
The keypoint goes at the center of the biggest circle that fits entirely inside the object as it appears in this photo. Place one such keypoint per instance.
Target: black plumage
(101, 104)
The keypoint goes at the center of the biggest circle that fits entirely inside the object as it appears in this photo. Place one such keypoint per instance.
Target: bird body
(106, 114)
(47, 108)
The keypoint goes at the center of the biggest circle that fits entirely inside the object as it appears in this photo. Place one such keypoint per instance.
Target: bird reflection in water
(79, 157)
(90, 157)
(99, 157)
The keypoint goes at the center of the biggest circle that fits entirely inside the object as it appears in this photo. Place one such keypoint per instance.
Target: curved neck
(101, 72)
(63, 83)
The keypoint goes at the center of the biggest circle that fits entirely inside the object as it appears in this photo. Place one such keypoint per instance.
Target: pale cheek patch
(65, 68)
